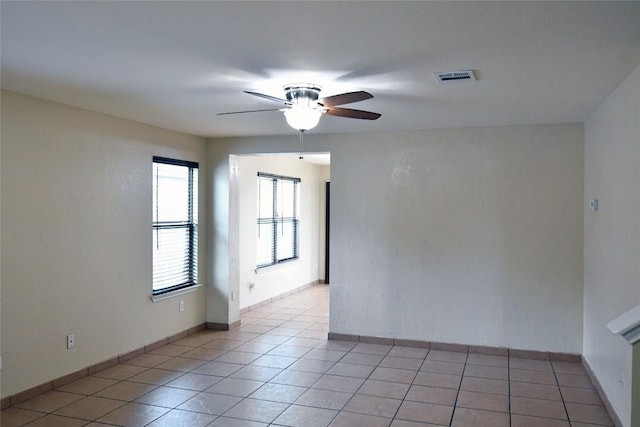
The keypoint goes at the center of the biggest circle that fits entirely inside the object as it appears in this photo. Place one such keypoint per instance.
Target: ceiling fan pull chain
(301, 144)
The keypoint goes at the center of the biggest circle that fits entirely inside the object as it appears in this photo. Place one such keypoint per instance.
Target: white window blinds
(278, 219)
(175, 224)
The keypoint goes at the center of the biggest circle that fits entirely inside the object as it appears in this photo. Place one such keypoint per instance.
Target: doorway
(255, 285)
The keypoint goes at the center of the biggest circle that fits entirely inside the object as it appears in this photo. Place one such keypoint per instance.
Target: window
(278, 219)
(175, 225)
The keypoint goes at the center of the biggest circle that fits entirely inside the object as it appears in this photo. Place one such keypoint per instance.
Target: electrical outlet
(71, 341)
(181, 306)
(252, 285)
(233, 296)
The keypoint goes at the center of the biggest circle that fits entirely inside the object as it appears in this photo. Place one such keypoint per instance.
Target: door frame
(326, 230)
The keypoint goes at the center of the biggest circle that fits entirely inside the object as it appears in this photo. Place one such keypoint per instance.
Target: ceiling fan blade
(352, 114)
(269, 97)
(345, 98)
(248, 111)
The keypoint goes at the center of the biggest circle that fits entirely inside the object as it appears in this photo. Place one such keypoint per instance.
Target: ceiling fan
(303, 106)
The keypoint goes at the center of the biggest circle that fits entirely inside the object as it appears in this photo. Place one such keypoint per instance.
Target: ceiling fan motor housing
(305, 92)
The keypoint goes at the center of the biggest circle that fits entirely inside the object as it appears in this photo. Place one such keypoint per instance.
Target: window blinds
(278, 219)
(175, 224)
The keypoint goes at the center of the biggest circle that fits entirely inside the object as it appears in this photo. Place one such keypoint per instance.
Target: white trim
(627, 325)
(183, 291)
(276, 266)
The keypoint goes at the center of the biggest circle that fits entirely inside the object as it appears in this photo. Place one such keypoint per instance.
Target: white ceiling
(177, 64)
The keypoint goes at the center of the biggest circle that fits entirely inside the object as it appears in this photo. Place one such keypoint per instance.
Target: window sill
(275, 267)
(178, 292)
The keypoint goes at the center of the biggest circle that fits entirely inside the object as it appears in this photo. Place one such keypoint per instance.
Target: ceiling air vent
(456, 76)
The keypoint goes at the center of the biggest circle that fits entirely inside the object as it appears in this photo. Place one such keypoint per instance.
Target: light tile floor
(279, 369)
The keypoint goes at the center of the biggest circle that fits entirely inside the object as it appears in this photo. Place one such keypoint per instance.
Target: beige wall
(467, 236)
(76, 239)
(612, 237)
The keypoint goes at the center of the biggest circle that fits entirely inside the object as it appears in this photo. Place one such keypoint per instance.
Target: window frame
(276, 220)
(191, 225)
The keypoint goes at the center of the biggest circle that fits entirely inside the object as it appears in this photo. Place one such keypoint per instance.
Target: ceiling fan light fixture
(302, 117)
(303, 106)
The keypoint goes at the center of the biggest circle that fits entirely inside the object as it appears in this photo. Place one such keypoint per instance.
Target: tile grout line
(299, 358)
(455, 403)
(243, 398)
(564, 405)
(365, 379)
(339, 411)
(311, 385)
(410, 385)
(509, 389)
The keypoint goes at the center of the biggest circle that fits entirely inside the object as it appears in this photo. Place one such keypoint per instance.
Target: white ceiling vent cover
(456, 76)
